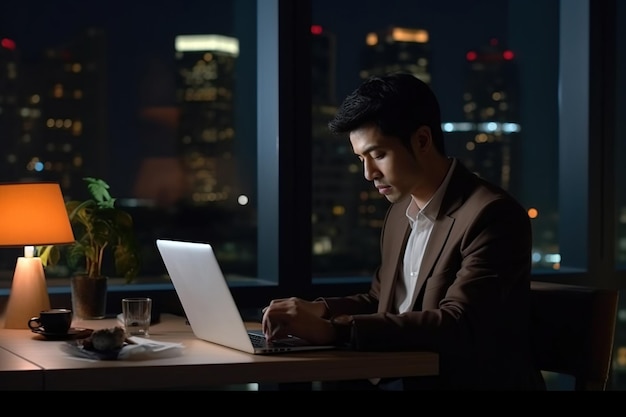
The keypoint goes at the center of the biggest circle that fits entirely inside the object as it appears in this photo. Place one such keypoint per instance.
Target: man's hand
(297, 317)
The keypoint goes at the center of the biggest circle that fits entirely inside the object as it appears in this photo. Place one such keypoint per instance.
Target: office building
(53, 113)
(488, 140)
(206, 131)
(397, 49)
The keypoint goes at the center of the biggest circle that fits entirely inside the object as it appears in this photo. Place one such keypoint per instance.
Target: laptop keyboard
(258, 340)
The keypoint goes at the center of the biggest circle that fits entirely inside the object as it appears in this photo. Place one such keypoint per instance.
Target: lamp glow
(31, 214)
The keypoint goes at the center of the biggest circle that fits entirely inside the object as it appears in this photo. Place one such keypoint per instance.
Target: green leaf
(100, 192)
(49, 255)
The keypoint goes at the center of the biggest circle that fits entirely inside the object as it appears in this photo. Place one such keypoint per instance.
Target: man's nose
(370, 172)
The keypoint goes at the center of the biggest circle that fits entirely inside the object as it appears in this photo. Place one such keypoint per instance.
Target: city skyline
(452, 31)
(147, 80)
(147, 35)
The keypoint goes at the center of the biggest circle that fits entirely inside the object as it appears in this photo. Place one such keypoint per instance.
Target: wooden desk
(18, 374)
(202, 364)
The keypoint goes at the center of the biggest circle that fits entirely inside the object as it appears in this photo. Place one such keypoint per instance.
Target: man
(455, 254)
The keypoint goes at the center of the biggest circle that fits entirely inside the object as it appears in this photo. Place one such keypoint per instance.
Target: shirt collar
(431, 209)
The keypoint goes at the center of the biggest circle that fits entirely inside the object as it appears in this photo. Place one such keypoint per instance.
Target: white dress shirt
(422, 222)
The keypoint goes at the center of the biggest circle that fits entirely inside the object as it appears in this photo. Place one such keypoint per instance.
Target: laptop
(208, 302)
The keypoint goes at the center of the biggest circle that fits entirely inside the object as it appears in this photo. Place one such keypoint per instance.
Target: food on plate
(106, 339)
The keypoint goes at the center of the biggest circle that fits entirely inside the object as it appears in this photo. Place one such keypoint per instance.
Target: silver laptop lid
(204, 293)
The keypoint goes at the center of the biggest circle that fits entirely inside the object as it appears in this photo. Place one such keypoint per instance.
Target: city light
(485, 127)
(225, 44)
(409, 35)
(316, 30)
(7, 43)
(243, 200)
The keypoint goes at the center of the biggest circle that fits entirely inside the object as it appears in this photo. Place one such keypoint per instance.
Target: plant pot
(89, 297)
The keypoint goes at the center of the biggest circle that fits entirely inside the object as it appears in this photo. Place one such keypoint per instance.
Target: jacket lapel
(435, 245)
(452, 200)
(393, 250)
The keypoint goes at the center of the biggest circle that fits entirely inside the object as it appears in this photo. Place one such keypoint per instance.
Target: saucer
(72, 333)
(79, 348)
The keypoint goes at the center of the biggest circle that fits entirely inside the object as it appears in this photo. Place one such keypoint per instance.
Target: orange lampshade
(33, 214)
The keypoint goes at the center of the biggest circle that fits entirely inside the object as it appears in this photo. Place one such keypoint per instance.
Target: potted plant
(103, 232)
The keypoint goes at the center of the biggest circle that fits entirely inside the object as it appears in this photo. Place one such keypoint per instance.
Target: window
(160, 101)
(499, 97)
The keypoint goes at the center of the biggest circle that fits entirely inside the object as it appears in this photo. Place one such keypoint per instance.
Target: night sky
(139, 29)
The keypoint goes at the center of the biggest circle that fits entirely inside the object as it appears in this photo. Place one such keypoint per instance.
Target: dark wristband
(343, 329)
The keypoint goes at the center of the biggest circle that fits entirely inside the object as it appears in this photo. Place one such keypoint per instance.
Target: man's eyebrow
(371, 148)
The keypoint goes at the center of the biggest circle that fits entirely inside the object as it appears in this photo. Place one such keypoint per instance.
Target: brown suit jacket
(473, 290)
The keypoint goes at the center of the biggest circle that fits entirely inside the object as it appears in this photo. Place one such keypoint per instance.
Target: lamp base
(29, 293)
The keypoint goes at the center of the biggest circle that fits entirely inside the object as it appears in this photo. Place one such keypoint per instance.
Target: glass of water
(136, 312)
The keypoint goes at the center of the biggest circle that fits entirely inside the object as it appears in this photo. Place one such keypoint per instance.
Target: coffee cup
(53, 321)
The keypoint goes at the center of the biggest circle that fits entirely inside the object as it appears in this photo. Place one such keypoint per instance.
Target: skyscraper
(15, 139)
(53, 112)
(206, 131)
(488, 140)
(336, 174)
(397, 49)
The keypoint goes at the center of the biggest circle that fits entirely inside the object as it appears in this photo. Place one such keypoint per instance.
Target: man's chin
(395, 197)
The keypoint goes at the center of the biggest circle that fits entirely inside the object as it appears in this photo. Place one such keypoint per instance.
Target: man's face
(386, 162)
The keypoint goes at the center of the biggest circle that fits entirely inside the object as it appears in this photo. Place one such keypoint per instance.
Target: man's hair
(397, 103)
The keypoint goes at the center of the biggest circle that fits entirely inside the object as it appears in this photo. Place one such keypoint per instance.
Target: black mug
(53, 321)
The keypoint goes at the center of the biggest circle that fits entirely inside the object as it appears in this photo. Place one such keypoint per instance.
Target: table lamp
(31, 214)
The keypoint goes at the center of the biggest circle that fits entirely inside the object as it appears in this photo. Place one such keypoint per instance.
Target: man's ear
(421, 139)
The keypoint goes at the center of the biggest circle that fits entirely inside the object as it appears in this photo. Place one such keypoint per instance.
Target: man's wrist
(324, 311)
(342, 325)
